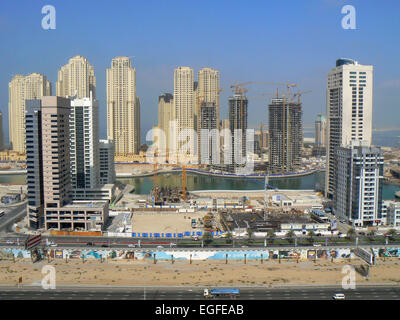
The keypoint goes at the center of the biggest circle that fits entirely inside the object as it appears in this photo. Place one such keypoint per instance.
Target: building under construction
(285, 135)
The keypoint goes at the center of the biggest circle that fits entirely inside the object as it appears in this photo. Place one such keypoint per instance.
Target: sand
(199, 273)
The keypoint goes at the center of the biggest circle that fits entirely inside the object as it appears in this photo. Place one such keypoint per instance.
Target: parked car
(160, 247)
(105, 246)
(131, 245)
(89, 244)
(316, 244)
(53, 244)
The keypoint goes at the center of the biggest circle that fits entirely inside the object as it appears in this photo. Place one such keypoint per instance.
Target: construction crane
(299, 94)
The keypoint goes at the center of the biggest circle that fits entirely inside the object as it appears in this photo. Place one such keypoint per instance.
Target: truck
(212, 293)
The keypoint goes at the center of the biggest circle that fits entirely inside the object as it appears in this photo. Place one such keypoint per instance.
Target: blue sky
(273, 41)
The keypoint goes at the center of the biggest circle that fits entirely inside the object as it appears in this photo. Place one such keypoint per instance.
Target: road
(195, 293)
(12, 214)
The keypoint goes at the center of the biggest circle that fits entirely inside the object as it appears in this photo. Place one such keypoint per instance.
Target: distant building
(123, 107)
(238, 105)
(285, 135)
(76, 78)
(20, 89)
(208, 134)
(166, 114)
(358, 197)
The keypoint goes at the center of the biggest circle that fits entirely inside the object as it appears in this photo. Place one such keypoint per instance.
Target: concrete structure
(358, 196)
(104, 192)
(285, 135)
(20, 89)
(48, 167)
(238, 125)
(349, 111)
(166, 114)
(184, 105)
(208, 89)
(106, 162)
(84, 143)
(208, 135)
(76, 78)
(123, 107)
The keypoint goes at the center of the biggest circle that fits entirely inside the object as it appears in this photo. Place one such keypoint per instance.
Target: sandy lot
(164, 222)
(181, 273)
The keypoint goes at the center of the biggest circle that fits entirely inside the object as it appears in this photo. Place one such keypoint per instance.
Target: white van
(338, 296)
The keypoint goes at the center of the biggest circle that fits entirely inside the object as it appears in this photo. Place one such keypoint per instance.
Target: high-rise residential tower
(84, 147)
(76, 79)
(238, 125)
(321, 130)
(123, 107)
(209, 138)
(185, 146)
(166, 114)
(285, 135)
(209, 87)
(349, 111)
(107, 166)
(359, 181)
(20, 89)
(50, 205)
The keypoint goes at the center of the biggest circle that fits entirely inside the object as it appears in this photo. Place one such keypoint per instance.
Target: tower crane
(299, 94)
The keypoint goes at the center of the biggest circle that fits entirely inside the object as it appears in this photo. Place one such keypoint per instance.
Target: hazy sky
(272, 41)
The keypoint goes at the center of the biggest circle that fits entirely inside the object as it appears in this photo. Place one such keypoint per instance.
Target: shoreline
(221, 175)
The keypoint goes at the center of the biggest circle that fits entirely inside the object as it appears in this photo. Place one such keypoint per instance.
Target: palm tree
(371, 235)
(351, 233)
(270, 235)
(229, 238)
(207, 237)
(311, 235)
(290, 236)
(391, 233)
(249, 234)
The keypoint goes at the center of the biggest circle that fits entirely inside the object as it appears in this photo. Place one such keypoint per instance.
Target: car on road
(316, 244)
(339, 296)
(131, 245)
(10, 242)
(160, 247)
(105, 246)
(53, 244)
(89, 244)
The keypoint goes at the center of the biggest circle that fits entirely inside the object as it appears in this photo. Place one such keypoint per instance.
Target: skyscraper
(22, 88)
(184, 105)
(349, 111)
(321, 130)
(84, 138)
(285, 135)
(208, 88)
(166, 114)
(48, 171)
(209, 138)
(123, 107)
(238, 126)
(76, 79)
(359, 173)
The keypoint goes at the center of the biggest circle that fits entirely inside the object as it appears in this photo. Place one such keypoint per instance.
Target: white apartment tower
(76, 78)
(84, 143)
(20, 89)
(123, 107)
(349, 111)
(184, 147)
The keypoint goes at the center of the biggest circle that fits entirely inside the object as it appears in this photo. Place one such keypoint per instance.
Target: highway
(195, 293)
